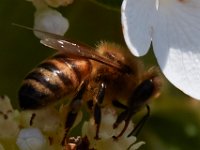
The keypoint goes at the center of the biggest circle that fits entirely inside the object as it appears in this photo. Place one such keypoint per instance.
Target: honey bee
(102, 76)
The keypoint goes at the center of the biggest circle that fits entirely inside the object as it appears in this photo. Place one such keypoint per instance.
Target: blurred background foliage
(175, 118)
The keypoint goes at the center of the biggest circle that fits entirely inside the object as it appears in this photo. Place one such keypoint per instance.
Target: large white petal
(137, 19)
(176, 42)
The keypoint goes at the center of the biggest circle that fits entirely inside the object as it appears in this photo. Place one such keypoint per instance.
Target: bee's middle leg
(97, 107)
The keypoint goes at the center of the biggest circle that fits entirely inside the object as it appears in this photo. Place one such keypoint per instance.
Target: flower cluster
(44, 129)
(38, 130)
(107, 132)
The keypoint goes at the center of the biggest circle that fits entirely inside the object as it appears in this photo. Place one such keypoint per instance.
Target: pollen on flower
(107, 132)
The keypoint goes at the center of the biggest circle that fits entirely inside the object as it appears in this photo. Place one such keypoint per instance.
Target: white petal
(31, 138)
(137, 19)
(176, 42)
(50, 20)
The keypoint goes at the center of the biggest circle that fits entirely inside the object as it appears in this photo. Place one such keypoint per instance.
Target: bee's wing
(74, 49)
(77, 50)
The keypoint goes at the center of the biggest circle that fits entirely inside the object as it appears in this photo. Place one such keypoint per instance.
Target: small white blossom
(31, 139)
(50, 20)
(173, 27)
(106, 141)
(49, 120)
(9, 120)
(9, 124)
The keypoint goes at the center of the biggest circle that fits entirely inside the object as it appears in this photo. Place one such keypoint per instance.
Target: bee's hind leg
(74, 107)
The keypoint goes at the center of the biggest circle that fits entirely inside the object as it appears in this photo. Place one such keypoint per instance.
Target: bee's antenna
(47, 34)
(22, 26)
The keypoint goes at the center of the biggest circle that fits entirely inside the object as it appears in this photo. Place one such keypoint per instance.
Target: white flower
(31, 139)
(9, 120)
(173, 26)
(50, 20)
(106, 141)
(47, 119)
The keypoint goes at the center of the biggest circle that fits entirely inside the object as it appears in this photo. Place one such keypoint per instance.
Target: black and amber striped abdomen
(51, 80)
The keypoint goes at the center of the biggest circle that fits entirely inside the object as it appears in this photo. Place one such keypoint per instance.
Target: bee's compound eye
(30, 98)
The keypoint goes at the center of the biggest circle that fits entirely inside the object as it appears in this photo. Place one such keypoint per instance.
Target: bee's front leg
(141, 123)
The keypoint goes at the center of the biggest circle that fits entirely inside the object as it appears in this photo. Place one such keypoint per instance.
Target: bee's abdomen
(51, 80)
